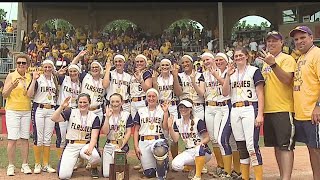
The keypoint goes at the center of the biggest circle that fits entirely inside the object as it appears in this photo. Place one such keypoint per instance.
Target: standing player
(164, 85)
(278, 126)
(43, 89)
(140, 82)
(217, 115)
(195, 136)
(82, 135)
(92, 85)
(245, 86)
(150, 145)
(117, 81)
(69, 87)
(117, 126)
(18, 113)
(306, 94)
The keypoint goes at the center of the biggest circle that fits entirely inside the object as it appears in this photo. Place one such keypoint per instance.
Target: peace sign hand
(170, 121)
(82, 53)
(175, 69)
(66, 102)
(109, 111)
(231, 69)
(62, 70)
(193, 76)
(165, 106)
(267, 57)
(35, 75)
(214, 71)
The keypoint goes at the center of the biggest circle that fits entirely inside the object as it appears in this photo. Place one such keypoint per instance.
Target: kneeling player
(194, 133)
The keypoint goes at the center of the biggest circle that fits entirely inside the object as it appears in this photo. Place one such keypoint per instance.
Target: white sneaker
(48, 169)
(191, 174)
(10, 170)
(196, 178)
(26, 169)
(204, 170)
(37, 169)
(88, 166)
(136, 167)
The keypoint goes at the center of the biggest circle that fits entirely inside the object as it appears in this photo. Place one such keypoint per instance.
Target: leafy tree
(185, 24)
(119, 25)
(58, 23)
(3, 14)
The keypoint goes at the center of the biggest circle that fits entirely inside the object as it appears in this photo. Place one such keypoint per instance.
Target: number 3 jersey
(80, 128)
(150, 122)
(190, 138)
(118, 125)
(243, 86)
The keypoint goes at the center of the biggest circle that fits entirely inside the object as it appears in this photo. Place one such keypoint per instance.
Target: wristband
(273, 65)
(318, 103)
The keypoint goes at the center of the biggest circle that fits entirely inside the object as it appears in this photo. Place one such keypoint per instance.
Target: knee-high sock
(258, 172)
(236, 161)
(245, 171)
(37, 150)
(59, 152)
(218, 155)
(199, 161)
(227, 161)
(46, 155)
(174, 149)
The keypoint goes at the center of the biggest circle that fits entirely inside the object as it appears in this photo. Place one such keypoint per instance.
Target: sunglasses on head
(273, 33)
(22, 62)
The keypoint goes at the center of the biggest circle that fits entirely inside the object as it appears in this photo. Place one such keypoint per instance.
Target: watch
(273, 65)
(318, 103)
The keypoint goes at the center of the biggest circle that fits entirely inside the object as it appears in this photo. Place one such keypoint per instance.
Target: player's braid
(55, 81)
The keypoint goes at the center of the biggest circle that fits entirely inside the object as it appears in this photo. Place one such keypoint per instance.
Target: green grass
(54, 159)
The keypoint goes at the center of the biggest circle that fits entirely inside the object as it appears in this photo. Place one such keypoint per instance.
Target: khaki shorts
(18, 124)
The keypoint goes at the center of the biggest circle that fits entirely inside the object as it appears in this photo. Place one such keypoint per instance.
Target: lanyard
(151, 118)
(242, 76)
(84, 120)
(115, 122)
(117, 75)
(49, 85)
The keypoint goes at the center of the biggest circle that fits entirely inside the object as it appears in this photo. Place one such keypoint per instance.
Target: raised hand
(170, 121)
(193, 76)
(62, 70)
(15, 83)
(109, 111)
(214, 71)
(165, 106)
(267, 57)
(231, 69)
(66, 102)
(108, 65)
(35, 75)
(82, 53)
(137, 75)
(175, 69)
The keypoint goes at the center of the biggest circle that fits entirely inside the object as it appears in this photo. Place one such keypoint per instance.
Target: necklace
(152, 118)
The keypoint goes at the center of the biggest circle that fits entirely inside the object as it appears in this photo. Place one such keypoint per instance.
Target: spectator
(253, 45)
(4, 52)
(4, 25)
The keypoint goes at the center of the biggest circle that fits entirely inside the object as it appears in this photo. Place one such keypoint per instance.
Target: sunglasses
(22, 62)
(273, 33)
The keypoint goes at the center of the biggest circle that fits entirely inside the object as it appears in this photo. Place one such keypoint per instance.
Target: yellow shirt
(18, 99)
(100, 45)
(279, 96)
(90, 48)
(306, 90)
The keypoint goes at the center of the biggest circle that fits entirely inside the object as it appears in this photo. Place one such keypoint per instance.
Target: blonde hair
(24, 56)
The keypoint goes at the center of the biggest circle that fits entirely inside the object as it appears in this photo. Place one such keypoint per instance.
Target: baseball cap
(186, 103)
(274, 34)
(304, 29)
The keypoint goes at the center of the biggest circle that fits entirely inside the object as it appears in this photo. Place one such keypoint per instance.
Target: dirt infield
(301, 169)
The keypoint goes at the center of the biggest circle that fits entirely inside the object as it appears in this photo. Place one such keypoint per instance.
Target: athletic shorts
(279, 130)
(307, 133)
(18, 124)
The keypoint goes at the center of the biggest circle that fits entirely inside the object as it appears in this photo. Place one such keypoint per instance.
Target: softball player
(194, 134)
(141, 81)
(164, 84)
(118, 81)
(82, 136)
(245, 86)
(117, 126)
(150, 145)
(92, 85)
(43, 89)
(69, 87)
(190, 84)
(217, 110)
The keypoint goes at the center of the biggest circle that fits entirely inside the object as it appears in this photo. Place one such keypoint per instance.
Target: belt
(151, 137)
(46, 106)
(242, 103)
(135, 99)
(67, 108)
(78, 142)
(171, 102)
(215, 103)
(113, 141)
(95, 108)
(198, 104)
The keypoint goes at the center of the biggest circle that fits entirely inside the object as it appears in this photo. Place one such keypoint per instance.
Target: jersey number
(140, 88)
(158, 129)
(99, 99)
(250, 93)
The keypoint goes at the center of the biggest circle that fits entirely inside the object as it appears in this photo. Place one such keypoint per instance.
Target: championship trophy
(120, 169)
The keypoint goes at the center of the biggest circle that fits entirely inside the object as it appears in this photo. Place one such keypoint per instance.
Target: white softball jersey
(135, 86)
(79, 127)
(67, 89)
(45, 91)
(190, 138)
(150, 121)
(118, 125)
(213, 90)
(243, 86)
(93, 88)
(188, 90)
(166, 88)
(119, 83)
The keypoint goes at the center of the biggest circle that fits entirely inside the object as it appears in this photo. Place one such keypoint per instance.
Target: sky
(11, 9)
(12, 13)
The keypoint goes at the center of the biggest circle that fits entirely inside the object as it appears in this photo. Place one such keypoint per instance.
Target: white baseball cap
(186, 103)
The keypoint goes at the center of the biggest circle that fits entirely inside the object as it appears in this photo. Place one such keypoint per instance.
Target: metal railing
(188, 49)
(9, 40)
(6, 65)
